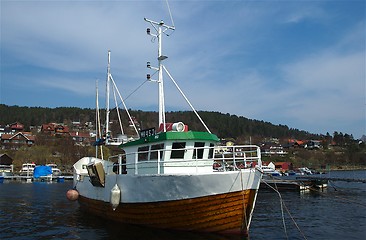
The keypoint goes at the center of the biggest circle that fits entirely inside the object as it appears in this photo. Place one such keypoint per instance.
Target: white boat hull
(218, 202)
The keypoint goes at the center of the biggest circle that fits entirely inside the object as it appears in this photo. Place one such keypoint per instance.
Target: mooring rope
(244, 205)
(281, 204)
(287, 210)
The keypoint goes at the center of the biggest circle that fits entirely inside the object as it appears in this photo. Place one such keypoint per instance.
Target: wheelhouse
(169, 153)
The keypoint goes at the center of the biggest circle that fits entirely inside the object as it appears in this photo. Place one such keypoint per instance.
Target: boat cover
(42, 171)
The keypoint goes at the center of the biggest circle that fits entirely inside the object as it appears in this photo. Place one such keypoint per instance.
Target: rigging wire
(170, 13)
(117, 109)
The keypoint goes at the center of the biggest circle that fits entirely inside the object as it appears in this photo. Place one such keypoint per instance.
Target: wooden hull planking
(228, 213)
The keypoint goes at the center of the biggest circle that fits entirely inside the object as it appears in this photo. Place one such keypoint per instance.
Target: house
(48, 128)
(81, 138)
(16, 140)
(55, 129)
(6, 165)
(284, 166)
(271, 149)
(295, 143)
(313, 144)
(61, 130)
(16, 127)
(5, 159)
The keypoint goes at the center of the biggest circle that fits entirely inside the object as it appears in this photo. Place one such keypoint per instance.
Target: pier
(332, 179)
(31, 179)
(293, 184)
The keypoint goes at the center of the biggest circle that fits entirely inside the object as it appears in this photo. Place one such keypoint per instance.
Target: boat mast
(160, 28)
(98, 131)
(107, 97)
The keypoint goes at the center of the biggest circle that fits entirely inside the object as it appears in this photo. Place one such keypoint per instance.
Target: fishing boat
(166, 178)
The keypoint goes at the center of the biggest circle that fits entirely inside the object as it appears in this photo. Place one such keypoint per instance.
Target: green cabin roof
(164, 136)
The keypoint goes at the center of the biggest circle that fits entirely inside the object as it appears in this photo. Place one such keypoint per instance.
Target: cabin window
(198, 150)
(143, 153)
(178, 150)
(210, 153)
(154, 151)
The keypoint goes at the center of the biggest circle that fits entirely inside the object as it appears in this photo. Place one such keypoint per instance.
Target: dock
(361, 180)
(292, 185)
(31, 179)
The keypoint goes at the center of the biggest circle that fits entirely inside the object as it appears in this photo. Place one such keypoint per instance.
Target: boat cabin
(169, 152)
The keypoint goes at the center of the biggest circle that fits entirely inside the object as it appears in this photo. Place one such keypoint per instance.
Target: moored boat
(42, 173)
(6, 170)
(167, 179)
(27, 169)
(55, 170)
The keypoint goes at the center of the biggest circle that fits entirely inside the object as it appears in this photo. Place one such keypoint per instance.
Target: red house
(284, 166)
(19, 139)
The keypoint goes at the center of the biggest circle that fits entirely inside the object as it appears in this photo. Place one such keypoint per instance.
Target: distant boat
(27, 169)
(55, 170)
(6, 170)
(166, 178)
(42, 173)
(305, 171)
(269, 171)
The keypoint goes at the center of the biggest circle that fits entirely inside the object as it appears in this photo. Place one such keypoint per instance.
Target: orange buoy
(72, 195)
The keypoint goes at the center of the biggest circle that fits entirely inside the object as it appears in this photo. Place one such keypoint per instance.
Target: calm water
(41, 211)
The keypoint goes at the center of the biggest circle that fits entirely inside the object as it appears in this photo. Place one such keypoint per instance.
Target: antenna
(170, 13)
(160, 28)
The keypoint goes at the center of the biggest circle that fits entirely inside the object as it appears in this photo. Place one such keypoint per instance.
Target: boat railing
(115, 141)
(229, 158)
(195, 158)
(6, 168)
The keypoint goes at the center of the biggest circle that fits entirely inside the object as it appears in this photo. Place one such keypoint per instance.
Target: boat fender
(72, 195)
(115, 196)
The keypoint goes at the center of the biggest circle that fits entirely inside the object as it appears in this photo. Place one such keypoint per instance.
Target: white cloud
(228, 56)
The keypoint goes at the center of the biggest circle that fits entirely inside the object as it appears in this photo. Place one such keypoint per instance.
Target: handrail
(225, 158)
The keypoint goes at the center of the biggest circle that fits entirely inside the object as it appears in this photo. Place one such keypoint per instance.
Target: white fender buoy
(115, 196)
(72, 194)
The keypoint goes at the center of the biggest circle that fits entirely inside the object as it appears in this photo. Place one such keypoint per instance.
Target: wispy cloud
(288, 62)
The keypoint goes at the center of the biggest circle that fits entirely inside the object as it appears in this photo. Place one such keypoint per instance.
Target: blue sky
(296, 63)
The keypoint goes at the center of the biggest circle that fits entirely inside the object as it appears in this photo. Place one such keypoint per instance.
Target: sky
(299, 63)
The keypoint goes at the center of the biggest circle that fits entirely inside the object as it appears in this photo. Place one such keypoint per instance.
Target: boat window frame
(198, 150)
(154, 149)
(211, 151)
(178, 150)
(143, 153)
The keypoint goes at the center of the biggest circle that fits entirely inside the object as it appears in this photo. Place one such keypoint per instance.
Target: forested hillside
(224, 125)
(64, 152)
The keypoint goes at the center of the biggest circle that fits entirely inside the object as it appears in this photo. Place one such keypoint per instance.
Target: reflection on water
(40, 210)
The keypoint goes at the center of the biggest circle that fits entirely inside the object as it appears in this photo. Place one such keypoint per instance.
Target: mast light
(162, 57)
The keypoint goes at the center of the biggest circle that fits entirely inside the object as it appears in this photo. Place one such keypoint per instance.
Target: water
(41, 211)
